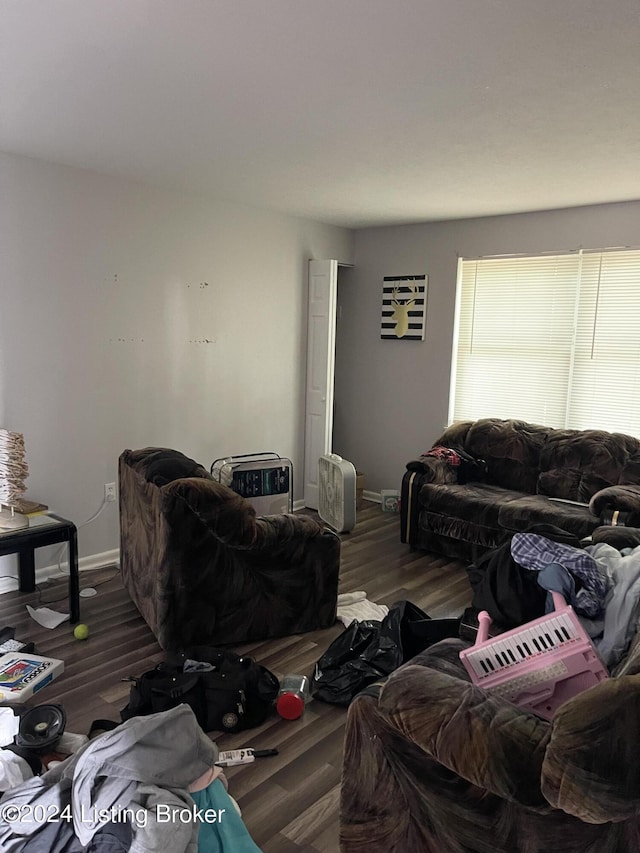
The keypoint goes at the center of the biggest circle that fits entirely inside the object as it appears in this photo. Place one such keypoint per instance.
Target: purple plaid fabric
(535, 552)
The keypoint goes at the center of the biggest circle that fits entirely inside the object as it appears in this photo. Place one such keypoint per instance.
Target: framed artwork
(404, 302)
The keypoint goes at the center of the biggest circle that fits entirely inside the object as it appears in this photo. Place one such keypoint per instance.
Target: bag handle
(181, 683)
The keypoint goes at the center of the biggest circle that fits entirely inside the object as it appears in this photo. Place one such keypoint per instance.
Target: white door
(321, 350)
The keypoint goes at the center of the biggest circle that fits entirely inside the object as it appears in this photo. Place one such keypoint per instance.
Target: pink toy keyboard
(538, 666)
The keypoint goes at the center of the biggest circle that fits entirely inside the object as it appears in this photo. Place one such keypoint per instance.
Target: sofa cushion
(511, 450)
(480, 503)
(520, 514)
(196, 507)
(631, 471)
(455, 435)
(460, 540)
(575, 464)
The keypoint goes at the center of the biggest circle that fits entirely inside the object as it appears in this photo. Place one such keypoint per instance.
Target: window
(551, 339)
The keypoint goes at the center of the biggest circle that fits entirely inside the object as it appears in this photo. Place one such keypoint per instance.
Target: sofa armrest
(434, 470)
(299, 543)
(617, 536)
(273, 530)
(623, 498)
(590, 768)
(482, 739)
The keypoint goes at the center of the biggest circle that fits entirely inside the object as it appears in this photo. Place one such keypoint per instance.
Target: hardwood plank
(290, 802)
(308, 827)
(310, 789)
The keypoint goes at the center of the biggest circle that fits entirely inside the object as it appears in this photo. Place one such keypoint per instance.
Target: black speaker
(41, 728)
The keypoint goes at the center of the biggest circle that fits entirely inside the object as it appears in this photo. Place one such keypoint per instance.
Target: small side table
(48, 529)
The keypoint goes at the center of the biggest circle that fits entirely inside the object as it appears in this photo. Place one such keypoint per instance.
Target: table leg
(74, 579)
(26, 570)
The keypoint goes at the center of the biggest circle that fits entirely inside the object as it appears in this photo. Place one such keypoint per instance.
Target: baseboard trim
(9, 581)
(85, 564)
(368, 496)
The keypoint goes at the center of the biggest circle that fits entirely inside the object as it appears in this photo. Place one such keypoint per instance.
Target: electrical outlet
(109, 491)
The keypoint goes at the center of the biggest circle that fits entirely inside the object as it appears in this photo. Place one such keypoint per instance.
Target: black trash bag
(371, 649)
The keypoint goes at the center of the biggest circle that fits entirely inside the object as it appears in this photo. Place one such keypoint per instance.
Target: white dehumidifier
(337, 492)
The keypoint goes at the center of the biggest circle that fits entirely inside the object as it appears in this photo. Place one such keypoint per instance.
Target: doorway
(322, 315)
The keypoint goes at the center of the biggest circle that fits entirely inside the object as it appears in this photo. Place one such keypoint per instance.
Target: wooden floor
(289, 802)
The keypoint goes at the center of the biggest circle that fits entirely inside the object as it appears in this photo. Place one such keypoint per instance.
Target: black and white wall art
(404, 302)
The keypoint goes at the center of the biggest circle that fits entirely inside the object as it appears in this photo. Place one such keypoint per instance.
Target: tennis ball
(81, 632)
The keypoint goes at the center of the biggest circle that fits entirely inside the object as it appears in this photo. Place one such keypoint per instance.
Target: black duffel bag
(225, 691)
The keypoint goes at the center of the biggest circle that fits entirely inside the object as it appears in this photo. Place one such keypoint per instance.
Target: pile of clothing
(514, 582)
(150, 784)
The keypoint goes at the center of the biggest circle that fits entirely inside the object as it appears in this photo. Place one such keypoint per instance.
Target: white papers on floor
(9, 725)
(13, 769)
(46, 617)
(356, 605)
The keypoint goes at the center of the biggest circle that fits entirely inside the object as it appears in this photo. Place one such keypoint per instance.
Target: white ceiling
(355, 112)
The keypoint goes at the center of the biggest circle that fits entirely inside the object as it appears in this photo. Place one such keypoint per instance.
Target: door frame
(322, 314)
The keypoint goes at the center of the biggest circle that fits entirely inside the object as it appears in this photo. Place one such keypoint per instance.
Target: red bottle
(292, 696)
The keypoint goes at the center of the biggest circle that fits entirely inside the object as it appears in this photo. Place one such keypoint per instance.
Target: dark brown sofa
(532, 475)
(433, 764)
(202, 569)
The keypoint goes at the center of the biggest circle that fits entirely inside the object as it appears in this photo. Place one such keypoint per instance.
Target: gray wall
(133, 316)
(392, 397)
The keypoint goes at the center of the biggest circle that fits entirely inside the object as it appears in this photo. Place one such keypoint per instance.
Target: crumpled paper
(9, 725)
(46, 617)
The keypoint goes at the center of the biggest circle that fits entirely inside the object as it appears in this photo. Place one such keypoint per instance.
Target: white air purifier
(265, 479)
(337, 492)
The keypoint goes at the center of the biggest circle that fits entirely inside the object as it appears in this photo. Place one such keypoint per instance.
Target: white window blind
(551, 339)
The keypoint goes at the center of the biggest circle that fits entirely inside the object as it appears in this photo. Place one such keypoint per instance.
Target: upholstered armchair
(433, 764)
(203, 569)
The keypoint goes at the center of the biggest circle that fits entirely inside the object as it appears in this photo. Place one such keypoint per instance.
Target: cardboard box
(22, 675)
(390, 499)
